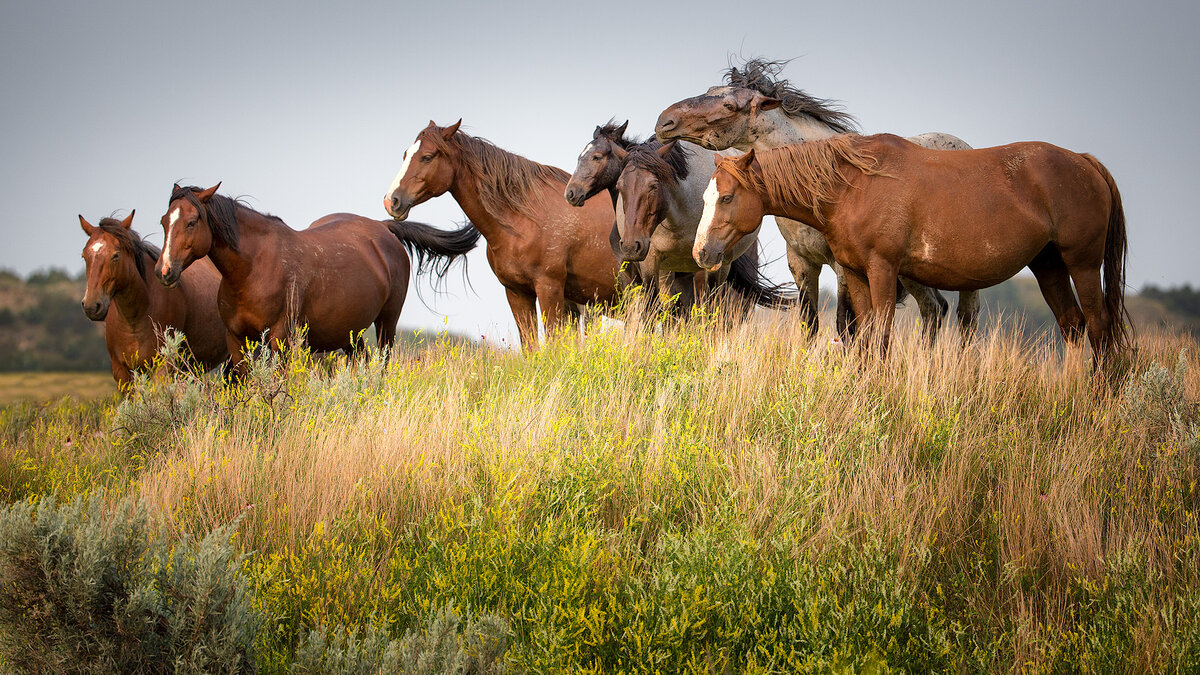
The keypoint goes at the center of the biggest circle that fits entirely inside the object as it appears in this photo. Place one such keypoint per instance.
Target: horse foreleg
(524, 310)
(553, 306)
(882, 281)
(932, 305)
(236, 369)
(808, 276)
(847, 325)
(858, 292)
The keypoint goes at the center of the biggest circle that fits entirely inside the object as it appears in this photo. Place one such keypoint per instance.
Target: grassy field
(697, 499)
(39, 387)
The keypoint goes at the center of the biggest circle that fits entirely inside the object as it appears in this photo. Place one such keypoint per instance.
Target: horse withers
(122, 292)
(961, 220)
(339, 276)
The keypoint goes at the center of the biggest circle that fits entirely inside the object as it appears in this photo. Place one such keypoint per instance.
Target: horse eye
(596, 158)
(725, 199)
(425, 159)
(191, 224)
(730, 106)
(115, 256)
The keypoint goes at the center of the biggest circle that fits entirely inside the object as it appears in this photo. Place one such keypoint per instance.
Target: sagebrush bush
(448, 643)
(89, 588)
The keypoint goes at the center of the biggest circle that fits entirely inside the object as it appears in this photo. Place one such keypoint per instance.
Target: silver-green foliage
(447, 644)
(89, 588)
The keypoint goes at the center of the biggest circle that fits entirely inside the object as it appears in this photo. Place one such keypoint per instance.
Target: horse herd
(682, 212)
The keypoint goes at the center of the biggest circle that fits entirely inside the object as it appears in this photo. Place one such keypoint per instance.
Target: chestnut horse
(543, 251)
(961, 220)
(337, 277)
(658, 193)
(759, 110)
(122, 292)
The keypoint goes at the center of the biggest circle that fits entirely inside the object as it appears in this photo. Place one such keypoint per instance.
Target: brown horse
(337, 277)
(542, 250)
(960, 220)
(136, 309)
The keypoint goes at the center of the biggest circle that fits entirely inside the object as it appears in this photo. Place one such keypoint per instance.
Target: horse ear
(88, 228)
(621, 129)
(449, 131)
(175, 188)
(128, 222)
(206, 195)
(596, 133)
(745, 160)
(760, 103)
(620, 153)
(717, 159)
(666, 149)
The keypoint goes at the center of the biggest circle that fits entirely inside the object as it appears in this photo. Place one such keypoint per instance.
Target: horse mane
(505, 179)
(806, 173)
(762, 76)
(222, 213)
(673, 168)
(130, 241)
(609, 131)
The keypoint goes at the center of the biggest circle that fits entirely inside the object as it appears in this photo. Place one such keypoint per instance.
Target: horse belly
(956, 265)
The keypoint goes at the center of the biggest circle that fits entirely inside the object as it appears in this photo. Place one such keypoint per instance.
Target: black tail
(1116, 248)
(747, 280)
(435, 250)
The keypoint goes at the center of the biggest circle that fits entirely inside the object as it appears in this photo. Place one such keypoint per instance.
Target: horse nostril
(666, 123)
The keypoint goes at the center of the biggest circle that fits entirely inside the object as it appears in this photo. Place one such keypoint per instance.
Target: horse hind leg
(1054, 281)
(932, 305)
(968, 314)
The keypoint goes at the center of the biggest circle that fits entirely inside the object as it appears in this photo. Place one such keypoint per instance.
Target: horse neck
(256, 232)
(686, 197)
(800, 211)
(775, 128)
(140, 302)
(492, 220)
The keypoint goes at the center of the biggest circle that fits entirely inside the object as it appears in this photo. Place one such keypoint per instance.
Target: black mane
(762, 76)
(671, 168)
(130, 242)
(222, 213)
(609, 130)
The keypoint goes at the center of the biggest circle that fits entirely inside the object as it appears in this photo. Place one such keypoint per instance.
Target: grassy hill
(679, 500)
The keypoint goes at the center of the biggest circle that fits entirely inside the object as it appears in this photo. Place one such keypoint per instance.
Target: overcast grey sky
(306, 108)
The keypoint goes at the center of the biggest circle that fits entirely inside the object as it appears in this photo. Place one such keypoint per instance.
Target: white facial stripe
(706, 218)
(172, 219)
(96, 247)
(408, 155)
(587, 148)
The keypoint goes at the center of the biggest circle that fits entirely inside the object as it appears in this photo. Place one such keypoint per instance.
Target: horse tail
(747, 280)
(435, 250)
(1116, 249)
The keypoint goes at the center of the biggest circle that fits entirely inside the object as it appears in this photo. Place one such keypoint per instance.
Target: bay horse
(337, 277)
(757, 109)
(122, 292)
(657, 190)
(956, 220)
(543, 251)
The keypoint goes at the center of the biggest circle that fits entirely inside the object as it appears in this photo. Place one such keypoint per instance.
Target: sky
(305, 108)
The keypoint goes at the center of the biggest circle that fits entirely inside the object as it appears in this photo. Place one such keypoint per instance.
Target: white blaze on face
(171, 220)
(408, 155)
(586, 149)
(706, 218)
(96, 247)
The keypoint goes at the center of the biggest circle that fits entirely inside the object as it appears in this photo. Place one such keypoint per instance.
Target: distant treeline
(42, 327)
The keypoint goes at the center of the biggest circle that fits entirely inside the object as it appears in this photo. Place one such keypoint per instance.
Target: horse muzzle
(396, 207)
(636, 251)
(575, 195)
(95, 310)
(710, 257)
(169, 278)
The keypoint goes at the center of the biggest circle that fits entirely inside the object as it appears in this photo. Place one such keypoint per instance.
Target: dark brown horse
(122, 292)
(960, 220)
(543, 251)
(337, 277)
(660, 188)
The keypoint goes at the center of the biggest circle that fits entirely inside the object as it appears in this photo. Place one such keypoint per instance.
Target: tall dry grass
(1004, 476)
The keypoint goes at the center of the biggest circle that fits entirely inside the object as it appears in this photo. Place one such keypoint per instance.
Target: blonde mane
(806, 173)
(506, 181)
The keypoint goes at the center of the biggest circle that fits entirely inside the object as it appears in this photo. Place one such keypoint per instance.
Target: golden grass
(39, 386)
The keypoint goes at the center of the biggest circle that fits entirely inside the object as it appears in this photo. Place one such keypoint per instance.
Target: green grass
(37, 387)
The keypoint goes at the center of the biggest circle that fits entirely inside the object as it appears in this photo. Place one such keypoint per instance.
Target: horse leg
(1095, 312)
(968, 313)
(846, 324)
(933, 307)
(881, 278)
(236, 369)
(1054, 281)
(524, 310)
(385, 323)
(858, 291)
(807, 275)
(553, 304)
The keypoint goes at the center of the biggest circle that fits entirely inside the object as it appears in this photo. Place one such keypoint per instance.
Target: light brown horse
(960, 220)
(136, 309)
(337, 277)
(543, 251)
